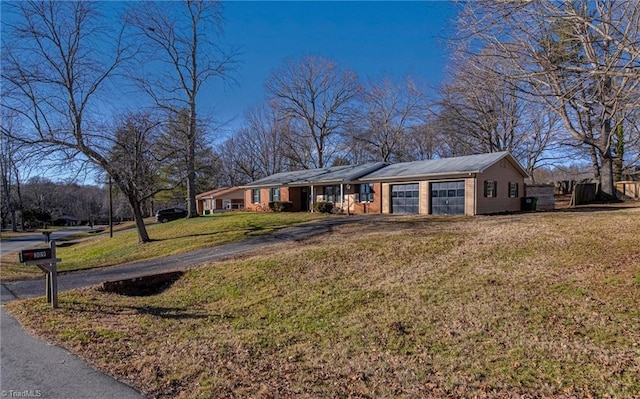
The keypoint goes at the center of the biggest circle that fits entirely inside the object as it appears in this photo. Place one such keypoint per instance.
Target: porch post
(341, 197)
(311, 199)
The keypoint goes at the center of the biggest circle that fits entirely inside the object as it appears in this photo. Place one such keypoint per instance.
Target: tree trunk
(595, 162)
(20, 204)
(607, 186)
(191, 192)
(618, 152)
(191, 164)
(14, 220)
(7, 196)
(143, 236)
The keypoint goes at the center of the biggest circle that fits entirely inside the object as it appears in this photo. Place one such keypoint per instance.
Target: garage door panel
(405, 199)
(447, 198)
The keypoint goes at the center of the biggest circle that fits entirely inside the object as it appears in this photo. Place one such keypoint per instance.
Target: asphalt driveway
(83, 278)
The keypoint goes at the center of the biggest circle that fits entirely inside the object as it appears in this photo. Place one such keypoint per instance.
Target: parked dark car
(168, 214)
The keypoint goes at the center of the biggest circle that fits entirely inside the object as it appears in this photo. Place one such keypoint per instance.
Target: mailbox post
(47, 236)
(45, 259)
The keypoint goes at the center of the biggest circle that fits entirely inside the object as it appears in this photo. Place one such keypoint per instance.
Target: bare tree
(356, 151)
(484, 105)
(630, 158)
(257, 149)
(179, 57)
(582, 58)
(174, 147)
(450, 132)
(389, 114)
(425, 141)
(316, 95)
(54, 71)
(542, 142)
(484, 111)
(12, 157)
(265, 138)
(235, 166)
(7, 167)
(207, 167)
(136, 160)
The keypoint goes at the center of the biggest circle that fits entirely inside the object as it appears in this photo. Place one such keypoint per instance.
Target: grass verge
(533, 305)
(172, 238)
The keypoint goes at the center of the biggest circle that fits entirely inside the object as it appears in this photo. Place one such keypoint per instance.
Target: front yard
(527, 305)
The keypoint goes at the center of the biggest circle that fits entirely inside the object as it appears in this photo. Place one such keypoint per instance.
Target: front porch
(347, 198)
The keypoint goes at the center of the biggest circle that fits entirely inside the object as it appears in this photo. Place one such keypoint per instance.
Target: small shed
(584, 193)
(629, 189)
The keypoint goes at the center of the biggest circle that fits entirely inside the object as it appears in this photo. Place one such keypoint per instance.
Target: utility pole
(110, 208)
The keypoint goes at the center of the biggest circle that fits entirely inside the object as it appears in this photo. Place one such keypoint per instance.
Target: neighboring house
(220, 199)
(67, 220)
(467, 185)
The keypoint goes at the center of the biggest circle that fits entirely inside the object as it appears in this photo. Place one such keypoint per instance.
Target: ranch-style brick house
(466, 185)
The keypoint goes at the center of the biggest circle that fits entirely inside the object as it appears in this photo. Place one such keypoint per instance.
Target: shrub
(34, 216)
(323, 207)
(281, 206)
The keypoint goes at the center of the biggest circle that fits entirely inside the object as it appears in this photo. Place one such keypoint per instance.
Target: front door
(304, 199)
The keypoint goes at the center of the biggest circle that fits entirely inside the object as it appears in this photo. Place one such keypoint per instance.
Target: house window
(255, 195)
(274, 194)
(513, 189)
(490, 189)
(366, 193)
(331, 194)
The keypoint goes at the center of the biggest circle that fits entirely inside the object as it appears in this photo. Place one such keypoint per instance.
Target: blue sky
(374, 39)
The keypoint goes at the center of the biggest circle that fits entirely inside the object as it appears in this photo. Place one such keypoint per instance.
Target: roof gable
(217, 192)
(444, 166)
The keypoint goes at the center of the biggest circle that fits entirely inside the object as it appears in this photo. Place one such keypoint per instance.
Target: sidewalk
(30, 367)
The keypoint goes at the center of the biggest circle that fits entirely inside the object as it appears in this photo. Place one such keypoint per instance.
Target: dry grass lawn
(529, 305)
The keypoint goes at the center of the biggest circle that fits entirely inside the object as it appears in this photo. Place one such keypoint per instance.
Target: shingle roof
(445, 166)
(379, 171)
(217, 192)
(336, 174)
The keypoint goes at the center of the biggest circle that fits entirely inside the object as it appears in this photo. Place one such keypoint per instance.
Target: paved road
(30, 364)
(36, 239)
(33, 368)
